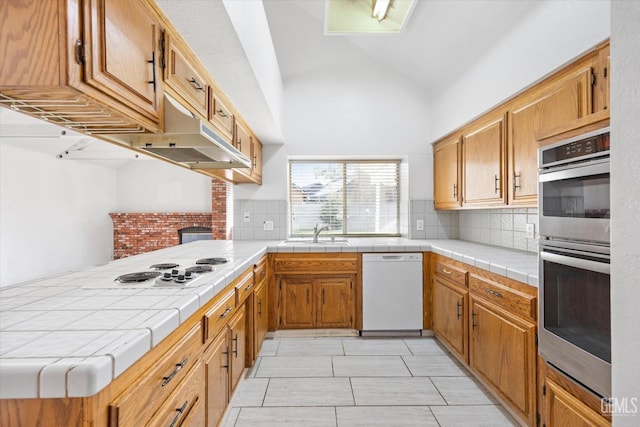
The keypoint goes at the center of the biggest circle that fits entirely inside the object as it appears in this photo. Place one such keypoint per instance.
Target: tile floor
(332, 381)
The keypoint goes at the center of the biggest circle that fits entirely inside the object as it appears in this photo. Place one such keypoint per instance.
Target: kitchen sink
(310, 242)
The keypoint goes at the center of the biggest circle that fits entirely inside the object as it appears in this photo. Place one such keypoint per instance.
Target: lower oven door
(574, 202)
(575, 314)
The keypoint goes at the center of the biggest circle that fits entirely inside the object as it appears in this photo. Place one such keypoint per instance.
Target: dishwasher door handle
(393, 257)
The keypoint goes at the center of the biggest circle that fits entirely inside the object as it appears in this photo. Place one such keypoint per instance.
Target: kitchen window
(348, 197)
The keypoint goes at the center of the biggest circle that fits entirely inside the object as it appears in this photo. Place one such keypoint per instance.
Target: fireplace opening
(191, 234)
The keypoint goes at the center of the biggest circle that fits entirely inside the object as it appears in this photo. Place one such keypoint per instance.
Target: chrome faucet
(317, 231)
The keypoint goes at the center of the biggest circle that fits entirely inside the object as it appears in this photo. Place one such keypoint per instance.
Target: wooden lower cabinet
(217, 362)
(502, 351)
(450, 316)
(565, 410)
(316, 302)
(237, 346)
(260, 317)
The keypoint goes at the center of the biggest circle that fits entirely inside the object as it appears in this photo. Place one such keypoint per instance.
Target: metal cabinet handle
(195, 84)
(494, 293)
(226, 353)
(179, 412)
(455, 191)
(307, 296)
(227, 311)
(166, 380)
(248, 287)
(255, 161)
(445, 271)
(152, 61)
(235, 340)
(222, 113)
(323, 301)
(260, 308)
(473, 320)
(496, 183)
(459, 309)
(516, 181)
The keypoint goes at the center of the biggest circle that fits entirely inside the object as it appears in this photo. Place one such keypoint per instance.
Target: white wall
(625, 200)
(551, 36)
(53, 213)
(149, 185)
(351, 110)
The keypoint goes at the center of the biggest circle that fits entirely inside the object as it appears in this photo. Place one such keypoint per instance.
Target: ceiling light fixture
(380, 8)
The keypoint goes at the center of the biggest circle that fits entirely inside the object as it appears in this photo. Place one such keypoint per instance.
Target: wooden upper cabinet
(220, 115)
(122, 40)
(183, 78)
(256, 170)
(602, 79)
(446, 171)
(483, 157)
(242, 140)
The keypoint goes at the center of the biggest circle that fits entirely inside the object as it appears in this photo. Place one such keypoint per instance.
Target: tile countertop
(69, 336)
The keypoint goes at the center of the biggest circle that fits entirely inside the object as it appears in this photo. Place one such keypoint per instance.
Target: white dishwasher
(392, 292)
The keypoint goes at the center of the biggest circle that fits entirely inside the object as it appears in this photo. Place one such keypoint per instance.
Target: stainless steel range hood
(186, 140)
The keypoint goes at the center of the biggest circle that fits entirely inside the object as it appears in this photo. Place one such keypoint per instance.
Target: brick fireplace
(135, 233)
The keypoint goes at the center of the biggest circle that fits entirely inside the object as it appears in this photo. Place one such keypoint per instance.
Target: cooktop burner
(164, 266)
(202, 268)
(211, 261)
(142, 276)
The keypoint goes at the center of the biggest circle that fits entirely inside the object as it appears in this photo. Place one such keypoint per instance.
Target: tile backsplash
(249, 217)
(500, 227)
(497, 227)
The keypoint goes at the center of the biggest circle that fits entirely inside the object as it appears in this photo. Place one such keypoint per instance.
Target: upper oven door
(574, 202)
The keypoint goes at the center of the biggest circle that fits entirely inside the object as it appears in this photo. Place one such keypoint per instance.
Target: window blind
(348, 197)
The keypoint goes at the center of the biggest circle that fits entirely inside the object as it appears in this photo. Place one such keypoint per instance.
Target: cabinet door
(243, 141)
(237, 344)
(603, 71)
(446, 174)
(217, 362)
(124, 57)
(564, 409)
(450, 317)
(185, 80)
(261, 318)
(483, 153)
(523, 155)
(502, 352)
(298, 310)
(335, 305)
(256, 172)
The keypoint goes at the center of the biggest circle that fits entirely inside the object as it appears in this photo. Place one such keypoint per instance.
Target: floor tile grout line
(438, 390)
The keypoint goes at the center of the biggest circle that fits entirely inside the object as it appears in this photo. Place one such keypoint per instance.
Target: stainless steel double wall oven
(574, 214)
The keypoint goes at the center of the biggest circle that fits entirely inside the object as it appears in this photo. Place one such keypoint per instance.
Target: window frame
(345, 163)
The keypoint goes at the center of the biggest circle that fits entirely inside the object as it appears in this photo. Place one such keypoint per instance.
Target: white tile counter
(70, 336)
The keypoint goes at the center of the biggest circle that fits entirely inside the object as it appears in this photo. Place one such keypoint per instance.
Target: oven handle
(584, 264)
(575, 172)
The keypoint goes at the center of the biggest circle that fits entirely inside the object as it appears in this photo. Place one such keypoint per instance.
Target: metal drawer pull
(445, 271)
(248, 287)
(494, 293)
(179, 412)
(166, 380)
(222, 113)
(496, 184)
(458, 310)
(226, 353)
(455, 191)
(260, 308)
(473, 320)
(227, 311)
(195, 84)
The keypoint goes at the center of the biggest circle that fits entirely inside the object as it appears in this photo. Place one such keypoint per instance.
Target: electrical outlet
(531, 231)
(247, 217)
(420, 225)
(268, 225)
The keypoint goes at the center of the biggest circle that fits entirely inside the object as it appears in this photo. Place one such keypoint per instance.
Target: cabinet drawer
(451, 272)
(220, 115)
(316, 263)
(244, 288)
(184, 79)
(260, 272)
(216, 318)
(512, 300)
(138, 403)
(185, 406)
